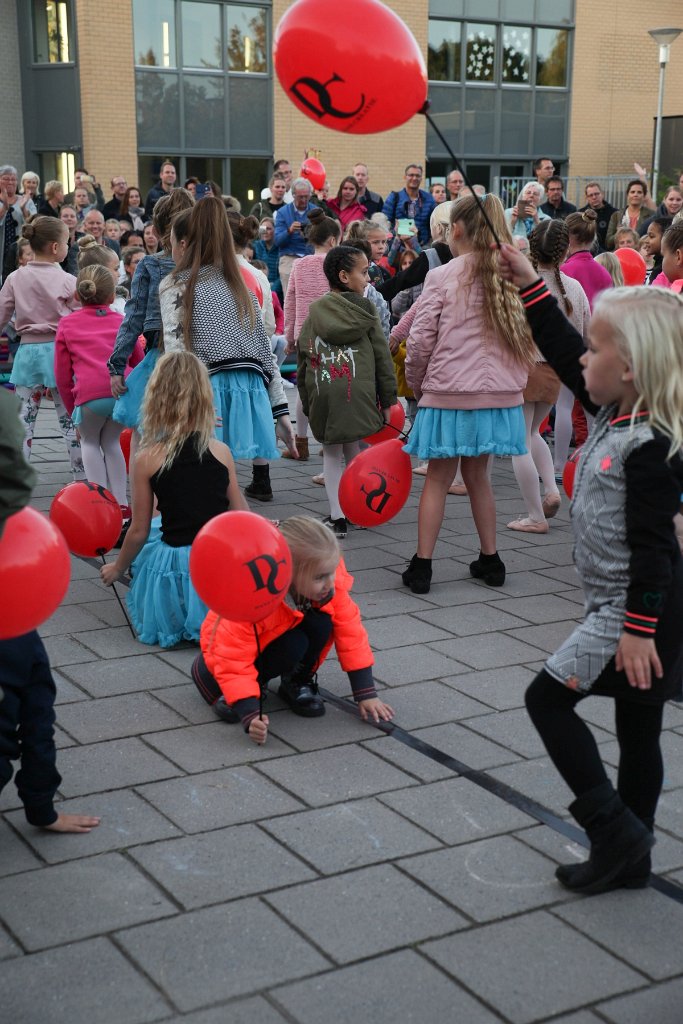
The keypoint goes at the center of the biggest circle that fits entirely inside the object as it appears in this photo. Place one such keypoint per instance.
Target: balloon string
(260, 686)
(399, 430)
(459, 167)
(100, 552)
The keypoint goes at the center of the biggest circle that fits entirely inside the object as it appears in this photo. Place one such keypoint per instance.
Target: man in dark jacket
(599, 205)
(411, 202)
(165, 184)
(119, 187)
(372, 201)
(556, 206)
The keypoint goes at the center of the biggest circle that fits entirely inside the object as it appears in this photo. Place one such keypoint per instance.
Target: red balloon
(314, 171)
(632, 266)
(34, 572)
(375, 486)
(124, 441)
(359, 73)
(89, 516)
(241, 566)
(390, 431)
(569, 472)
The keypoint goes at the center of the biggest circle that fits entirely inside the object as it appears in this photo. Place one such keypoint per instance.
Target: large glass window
(154, 33)
(247, 178)
(247, 47)
(443, 56)
(516, 68)
(551, 56)
(158, 110)
(51, 32)
(58, 167)
(204, 111)
(201, 28)
(480, 55)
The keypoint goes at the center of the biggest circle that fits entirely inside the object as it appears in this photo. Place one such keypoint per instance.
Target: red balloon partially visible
(391, 430)
(241, 566)
(569, 472)
(356, 69)
(314, 171)
(632, 266)
(89, 516)
(124, 441)
(375, 485)
(34, 572)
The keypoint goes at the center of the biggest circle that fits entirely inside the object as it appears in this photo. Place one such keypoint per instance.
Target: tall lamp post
(664, 37)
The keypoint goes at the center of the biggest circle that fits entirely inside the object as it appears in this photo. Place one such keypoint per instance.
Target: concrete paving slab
(67, 693)
(127, 675)
(491, 650)
(395, 669)
(501, 689)
(461, 743)
(15, 855)
(115, 717)
(254, 1010)
(70, 618)
(402, 631)
(408, 760)
(203, 748)
(472, 618)
(115, 764)
(305, 734)
(659, 1003)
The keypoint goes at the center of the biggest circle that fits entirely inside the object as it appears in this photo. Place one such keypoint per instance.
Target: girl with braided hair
(548, 245)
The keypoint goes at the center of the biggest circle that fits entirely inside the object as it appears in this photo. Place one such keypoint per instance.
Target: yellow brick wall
(385, 153)
(616, 81)
(107, 79)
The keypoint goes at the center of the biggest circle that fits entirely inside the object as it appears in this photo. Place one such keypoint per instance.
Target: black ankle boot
(490, 569)
(619, 841)
(260, 488)
(299, 691)
(418, 575)
(634, 876)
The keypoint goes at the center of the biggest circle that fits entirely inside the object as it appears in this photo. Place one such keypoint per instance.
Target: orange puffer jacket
(230, 648)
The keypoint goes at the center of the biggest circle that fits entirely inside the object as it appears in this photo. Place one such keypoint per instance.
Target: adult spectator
(93, 224)
(289, 224)
(81, 202)
(132, 209)
(633, 215)
(191, 185)
(543, 169)
(14, 209)
(345, 206)
(284, 168)
(411, 202)
(671, 204)
(272, 198)
(372, 201)
(165, 184)
(525, 215)
(438, 192)
(82, 177)
(119, 187)
(53, 199)
(30, 184)
(67, 215)
(266, 250)
(601, 208)
(455, 183)
(150, 239)
(556, 206)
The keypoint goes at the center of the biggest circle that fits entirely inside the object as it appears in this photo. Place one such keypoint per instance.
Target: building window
(443, 57)
(247, 49)
(154, 33)
(480, 54)
(58, 167)
(201, 39)
(516, 68)
(51, 32)
(551, 57)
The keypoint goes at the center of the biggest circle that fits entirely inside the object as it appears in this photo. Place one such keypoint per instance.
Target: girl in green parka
(344, 369)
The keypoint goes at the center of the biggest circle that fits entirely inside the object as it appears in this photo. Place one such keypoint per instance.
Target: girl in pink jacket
(85, 341)
(468, 358)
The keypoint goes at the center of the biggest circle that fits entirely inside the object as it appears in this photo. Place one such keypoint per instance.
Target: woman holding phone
(525, 215)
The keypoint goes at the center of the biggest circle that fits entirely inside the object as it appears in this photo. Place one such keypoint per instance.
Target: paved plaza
(338, 875)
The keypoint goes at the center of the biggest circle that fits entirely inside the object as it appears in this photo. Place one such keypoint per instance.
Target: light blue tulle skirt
(163, 605)
(100, 406)
(447, 433)
(242, 403)
(127, 408)
(34, 364)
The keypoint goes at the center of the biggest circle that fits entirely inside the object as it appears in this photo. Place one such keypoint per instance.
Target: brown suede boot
(301, 447)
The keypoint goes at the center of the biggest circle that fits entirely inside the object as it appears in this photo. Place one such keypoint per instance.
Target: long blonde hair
(178, 402)
(312, 545)
(503, 310)
(646, 324)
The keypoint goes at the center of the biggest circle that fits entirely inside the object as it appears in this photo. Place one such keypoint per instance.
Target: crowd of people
(172, 317)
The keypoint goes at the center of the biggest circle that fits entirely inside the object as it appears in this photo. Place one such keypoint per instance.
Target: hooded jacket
(344, 367)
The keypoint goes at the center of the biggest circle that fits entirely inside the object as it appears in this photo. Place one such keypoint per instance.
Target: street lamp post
(664, 37)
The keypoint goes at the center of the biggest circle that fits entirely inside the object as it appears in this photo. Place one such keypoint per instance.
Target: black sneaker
(490, 569)
(301, 695)
(224, 711)
(338, 526)
(260, 490)
(418, 575)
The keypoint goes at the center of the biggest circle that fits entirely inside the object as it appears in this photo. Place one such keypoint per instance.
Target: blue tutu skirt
(100, 406)
(242, 403)
(127, 408)
(34, 364)
(163, 605)
(447, 433)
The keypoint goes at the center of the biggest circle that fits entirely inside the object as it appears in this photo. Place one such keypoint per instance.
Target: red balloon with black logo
(391, 430)
(241, 566)
(89, 516)
(355, 69)
(569, 472)
(34, 572)
(375, 486)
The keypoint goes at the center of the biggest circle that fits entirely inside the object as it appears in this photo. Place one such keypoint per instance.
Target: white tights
(563, 427)
(332, 468)
(301, 419)
(103, 459)
(537, 462)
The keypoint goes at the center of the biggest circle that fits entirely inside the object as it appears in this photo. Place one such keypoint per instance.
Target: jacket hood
(338, 317)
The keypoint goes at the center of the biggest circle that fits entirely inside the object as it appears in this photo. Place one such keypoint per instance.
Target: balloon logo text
(272, 567)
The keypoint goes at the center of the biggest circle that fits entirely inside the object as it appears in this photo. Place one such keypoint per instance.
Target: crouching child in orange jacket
(236, 662)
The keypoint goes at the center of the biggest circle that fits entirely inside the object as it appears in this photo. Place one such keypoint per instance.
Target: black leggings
(574, 752)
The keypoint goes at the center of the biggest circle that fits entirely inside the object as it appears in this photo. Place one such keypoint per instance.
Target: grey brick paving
(335, 875)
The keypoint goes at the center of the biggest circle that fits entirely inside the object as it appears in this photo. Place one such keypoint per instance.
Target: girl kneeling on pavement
(239, 658)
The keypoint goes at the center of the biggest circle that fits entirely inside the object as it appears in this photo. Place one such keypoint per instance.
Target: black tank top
(189, 493)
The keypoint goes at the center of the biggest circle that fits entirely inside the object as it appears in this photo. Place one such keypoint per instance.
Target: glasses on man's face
(413, 175)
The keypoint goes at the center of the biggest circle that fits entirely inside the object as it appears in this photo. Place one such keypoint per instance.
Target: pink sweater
(592, 277)
(85, 341)
(306, 284)
(40, 294)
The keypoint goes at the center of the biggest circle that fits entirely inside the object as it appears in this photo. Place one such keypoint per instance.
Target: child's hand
(394, 344)
(73, 823)
(514, 266)
(118, 386)
(258, 729)
(110, 574)
(637, 656)
(375, 710)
